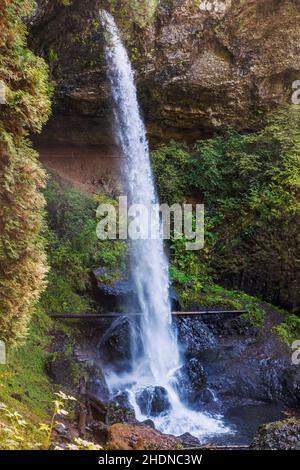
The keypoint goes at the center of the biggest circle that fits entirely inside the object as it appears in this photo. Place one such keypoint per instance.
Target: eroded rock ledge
(199, 67)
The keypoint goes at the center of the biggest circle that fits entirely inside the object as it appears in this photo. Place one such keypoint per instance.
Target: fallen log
(97, 316)
(228, 447)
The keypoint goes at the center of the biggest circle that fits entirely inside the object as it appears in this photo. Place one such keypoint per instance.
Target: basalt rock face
(196, 339)
(190, 381)
(113, 346)
(200, 66)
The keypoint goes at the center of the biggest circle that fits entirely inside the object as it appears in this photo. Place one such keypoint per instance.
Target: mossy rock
(280, 435)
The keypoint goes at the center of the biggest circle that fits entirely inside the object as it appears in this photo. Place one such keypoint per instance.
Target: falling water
(149, 266)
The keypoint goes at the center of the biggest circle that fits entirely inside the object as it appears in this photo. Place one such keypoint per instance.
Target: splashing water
(149, 266)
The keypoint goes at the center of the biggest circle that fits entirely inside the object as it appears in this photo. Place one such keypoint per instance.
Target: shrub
(249, 184)
(73, 247)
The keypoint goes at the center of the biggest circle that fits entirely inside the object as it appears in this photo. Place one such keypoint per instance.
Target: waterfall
(160, 358)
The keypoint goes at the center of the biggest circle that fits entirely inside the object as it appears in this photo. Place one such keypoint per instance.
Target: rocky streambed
(230, 369)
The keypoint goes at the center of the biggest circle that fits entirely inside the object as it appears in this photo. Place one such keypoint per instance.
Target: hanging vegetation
(25, 108)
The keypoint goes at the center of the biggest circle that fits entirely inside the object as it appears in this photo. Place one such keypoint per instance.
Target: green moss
(215, 297)
(26, 372)
(289, 330)
(25, 386)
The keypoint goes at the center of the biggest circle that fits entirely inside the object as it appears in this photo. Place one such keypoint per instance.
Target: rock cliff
(201, 66)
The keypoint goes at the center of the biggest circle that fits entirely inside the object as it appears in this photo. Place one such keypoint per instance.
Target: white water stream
(149, 266)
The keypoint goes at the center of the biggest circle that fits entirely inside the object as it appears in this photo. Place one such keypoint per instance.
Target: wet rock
(137, 437)
(115, 288)
(188, 440)
(149, 423)
(175, 304)
(229, 326)
(244, 376)
(280, 381)
(190, 381)
(96, 384)
(120, 292)
(114, 346)
(281, 435)
(153, 401)
(196, 339)
(116, 293)
(60, 369)
(120, 410)
(122, 400)
(207, 396)
(100, 430)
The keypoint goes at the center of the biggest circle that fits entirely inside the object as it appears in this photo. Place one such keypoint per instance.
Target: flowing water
(160, 358)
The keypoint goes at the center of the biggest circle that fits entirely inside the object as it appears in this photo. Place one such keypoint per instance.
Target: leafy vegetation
(74, 249)
(250, 187)
(18, 434)
(27, 106)
(26, 391)
(249, 184)
(289, 329)
(138, 11)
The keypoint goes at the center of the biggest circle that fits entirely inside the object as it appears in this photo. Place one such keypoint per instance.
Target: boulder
(153, 401)
(59, 368)
(100, 431)
(115, 293)
(188, 440)
(120, 410)
(281, 435)
(149, 423)
(138, 437)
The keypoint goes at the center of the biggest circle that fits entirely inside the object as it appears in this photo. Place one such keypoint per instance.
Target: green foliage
(139, 11)
(18, 434)
(249, 185)
(214, 297)
(52, 55)
(172, 166)
(186, 270)
(15, 432)
(289, 329)
(73, 247)
(25, 75)
(22, 261)
(25, 386)
(256, 171)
